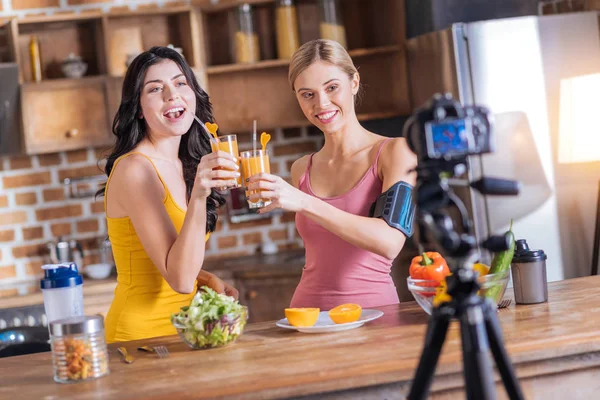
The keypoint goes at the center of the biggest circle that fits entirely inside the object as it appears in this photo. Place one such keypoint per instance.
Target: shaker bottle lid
(524, 255)
(77, 325)
(60, 276)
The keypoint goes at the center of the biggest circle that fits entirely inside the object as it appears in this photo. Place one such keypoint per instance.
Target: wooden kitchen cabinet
(240, 93)
(267, 294)
(64, 115)
(60, 113)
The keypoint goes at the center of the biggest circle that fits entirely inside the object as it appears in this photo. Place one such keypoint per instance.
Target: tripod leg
(513, 389)
(434, 340)
(479, 377)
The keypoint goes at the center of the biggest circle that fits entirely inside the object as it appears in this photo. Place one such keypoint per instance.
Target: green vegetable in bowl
(211, 319)
(501, 263)
(502, 259)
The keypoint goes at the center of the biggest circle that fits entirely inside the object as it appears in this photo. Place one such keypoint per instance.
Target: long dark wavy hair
(130, 130)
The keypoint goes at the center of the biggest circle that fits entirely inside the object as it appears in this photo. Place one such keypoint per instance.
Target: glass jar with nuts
(78, 348)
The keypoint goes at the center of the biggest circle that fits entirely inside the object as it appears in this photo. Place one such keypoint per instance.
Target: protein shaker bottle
(529, 274)
(62, 288)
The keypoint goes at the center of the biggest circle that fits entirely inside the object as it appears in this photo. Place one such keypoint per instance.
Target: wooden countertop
(558, 337)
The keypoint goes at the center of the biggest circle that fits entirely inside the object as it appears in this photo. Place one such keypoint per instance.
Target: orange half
(345, 313)
(302, 317)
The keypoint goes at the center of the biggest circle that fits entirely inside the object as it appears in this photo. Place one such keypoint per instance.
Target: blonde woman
(349, 250)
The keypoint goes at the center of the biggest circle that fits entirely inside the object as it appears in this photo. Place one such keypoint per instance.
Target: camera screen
(449, 137)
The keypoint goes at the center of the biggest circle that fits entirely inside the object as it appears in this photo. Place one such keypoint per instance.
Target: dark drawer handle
(72, 133)
(252, 294)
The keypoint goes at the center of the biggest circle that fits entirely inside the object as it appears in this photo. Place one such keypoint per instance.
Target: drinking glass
(229, 145)
(255, 162)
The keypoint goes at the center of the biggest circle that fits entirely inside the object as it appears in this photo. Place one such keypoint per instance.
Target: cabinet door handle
(72, 133)
(252, 294)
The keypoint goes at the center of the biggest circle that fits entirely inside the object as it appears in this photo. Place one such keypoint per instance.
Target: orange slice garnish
(264, 139)
(212, 128)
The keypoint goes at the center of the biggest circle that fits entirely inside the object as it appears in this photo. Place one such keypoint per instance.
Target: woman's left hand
(217, 284)
(277, 190)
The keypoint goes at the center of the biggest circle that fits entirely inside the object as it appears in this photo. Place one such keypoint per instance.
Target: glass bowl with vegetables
(429, 293)
(211, 320)
(427, 280)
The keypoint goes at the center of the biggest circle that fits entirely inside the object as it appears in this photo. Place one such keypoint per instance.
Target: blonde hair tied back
(328, 51)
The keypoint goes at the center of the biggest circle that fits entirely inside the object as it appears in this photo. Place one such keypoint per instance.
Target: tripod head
(443, 133)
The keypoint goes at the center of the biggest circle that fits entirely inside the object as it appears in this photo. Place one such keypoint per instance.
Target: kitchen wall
(577, 184)
(36, 207)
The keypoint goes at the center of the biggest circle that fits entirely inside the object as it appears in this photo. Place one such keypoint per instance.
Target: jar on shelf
(34, 59)
(78, 348)
(286, 25)
(331, 24)
(247, 48)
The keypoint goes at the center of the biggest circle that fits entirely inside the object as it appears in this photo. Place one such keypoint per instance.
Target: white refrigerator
(514, 66)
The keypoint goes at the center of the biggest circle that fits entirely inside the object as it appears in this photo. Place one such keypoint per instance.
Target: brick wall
(35, 206)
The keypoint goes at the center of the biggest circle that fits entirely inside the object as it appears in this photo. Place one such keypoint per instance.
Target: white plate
(325, 324)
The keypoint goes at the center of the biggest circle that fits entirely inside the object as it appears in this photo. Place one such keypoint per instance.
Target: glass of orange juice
(254, 162)
(229, 145)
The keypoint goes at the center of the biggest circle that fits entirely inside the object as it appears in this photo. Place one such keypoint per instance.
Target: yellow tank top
(143, 301)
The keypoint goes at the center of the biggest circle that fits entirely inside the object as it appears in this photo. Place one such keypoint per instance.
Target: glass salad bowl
(492, 286)
(211, 320)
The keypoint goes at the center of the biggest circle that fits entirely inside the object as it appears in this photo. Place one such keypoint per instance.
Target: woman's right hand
(207, 177)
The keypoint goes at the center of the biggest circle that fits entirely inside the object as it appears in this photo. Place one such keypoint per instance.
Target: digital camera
(443, 129)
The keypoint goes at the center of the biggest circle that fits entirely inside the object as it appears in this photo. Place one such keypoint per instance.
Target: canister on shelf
(35, 60)
(286, 25)
(246, 45)
(331, 25)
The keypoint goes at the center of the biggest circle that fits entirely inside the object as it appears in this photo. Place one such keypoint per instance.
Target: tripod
(479, 326)
(480, 331)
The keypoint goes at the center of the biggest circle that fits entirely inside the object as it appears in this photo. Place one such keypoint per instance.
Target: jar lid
(58, 276)
(524, 255)
(77, 325)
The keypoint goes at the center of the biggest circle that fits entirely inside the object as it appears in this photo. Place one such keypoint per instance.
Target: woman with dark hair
(159, 198)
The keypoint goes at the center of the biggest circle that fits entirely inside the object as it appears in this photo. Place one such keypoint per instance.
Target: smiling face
(326, 96)
(168, 102)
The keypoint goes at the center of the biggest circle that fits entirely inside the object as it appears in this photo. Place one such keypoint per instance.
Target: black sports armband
(396, 207)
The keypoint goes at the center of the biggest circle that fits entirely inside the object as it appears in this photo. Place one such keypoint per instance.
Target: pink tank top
(337, 272)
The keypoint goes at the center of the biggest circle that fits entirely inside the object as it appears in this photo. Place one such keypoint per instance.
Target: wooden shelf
(166, 10)
(51, 84)
(208, 7)
(42, 19)
(378, 115)
(229, 68)
(356, 53)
